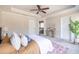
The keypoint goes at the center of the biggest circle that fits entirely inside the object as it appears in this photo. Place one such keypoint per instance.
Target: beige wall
(57, 21)
(54, 21)
(0, 19)
(18, 23)
(14, 22)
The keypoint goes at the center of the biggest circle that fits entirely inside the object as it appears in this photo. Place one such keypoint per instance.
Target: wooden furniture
(0, 34)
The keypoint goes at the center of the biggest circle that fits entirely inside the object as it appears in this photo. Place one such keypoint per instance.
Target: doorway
(41, 27)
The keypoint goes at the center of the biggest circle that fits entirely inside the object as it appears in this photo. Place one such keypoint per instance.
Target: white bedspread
(44, 44)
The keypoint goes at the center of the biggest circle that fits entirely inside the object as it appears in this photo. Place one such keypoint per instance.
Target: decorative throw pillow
(6, 38)
(24, 40)
(16, 41)
(29, 39)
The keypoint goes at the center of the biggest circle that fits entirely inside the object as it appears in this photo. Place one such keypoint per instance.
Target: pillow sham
(29, 39)
(15, 41)
(24, 40)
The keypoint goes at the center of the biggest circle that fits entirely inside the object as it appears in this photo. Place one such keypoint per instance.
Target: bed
(7, 48)
(40, 45)
(33, 47)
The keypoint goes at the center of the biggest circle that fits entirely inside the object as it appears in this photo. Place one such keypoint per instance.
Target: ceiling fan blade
(33, 9)
(44, 8)
(37, 12)
(43, 11)
(38, 6)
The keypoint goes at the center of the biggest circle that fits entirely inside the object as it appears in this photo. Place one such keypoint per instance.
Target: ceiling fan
(39, 9)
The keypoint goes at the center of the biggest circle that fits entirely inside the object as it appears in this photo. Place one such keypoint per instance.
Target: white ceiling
(52, 8)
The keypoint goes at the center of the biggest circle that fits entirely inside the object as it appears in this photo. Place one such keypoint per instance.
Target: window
(41, 27)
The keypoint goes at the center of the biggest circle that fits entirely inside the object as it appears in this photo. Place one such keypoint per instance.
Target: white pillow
(24, 40)
(15, 41)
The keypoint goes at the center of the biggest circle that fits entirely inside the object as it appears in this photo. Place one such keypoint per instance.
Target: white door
(65, 32)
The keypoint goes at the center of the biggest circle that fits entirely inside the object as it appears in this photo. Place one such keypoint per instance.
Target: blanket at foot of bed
(6, 48)
(44, 44)
(32, 48)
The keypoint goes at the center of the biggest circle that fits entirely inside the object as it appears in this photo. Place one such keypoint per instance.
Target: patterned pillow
(29, 39)
(16, 41)
(24, 40)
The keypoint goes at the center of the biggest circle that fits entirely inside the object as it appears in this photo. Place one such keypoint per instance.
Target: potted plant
(74, 28)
